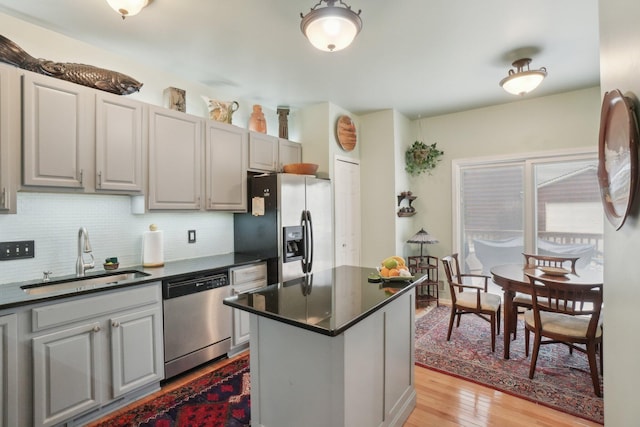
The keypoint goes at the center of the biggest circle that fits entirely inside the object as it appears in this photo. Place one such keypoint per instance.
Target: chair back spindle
(551, 261)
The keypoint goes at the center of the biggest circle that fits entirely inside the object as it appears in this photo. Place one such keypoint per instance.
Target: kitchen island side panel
(300, 377)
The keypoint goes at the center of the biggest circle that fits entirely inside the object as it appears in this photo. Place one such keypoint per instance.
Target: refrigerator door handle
(305, 256)
(310, 235)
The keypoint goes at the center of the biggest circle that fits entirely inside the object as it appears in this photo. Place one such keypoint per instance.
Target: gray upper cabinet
(175, 159)
(119, 148)
(269, 153)
(263, 152)
(288, 152)
(226, 167)
(57, 123)
(9, 138)
(79, 138)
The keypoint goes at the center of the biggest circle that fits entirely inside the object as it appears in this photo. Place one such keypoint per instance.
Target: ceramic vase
(257, 121)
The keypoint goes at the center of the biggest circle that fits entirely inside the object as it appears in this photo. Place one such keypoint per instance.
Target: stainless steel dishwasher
(197, 326)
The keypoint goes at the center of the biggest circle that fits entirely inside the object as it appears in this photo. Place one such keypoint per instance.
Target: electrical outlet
(191, 235)
(17, 250)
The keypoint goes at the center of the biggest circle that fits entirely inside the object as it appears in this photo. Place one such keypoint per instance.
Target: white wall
(377, 187)
(619, 59)
(43, 43)
(568, 120)
(53, 220)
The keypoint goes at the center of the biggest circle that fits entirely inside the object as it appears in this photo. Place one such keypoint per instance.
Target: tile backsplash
(53, 220)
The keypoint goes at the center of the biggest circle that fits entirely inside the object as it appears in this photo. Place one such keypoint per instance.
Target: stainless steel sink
(83, 283)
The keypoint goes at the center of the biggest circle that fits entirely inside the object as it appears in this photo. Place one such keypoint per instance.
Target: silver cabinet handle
(99, 183)
(4, 200)
(115, 324)
(96, 328)
(81, 176)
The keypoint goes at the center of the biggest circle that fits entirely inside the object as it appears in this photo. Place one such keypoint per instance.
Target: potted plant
(421, 157)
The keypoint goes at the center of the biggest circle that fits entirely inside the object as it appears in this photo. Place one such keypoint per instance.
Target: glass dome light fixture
(521, 81)
(128, 7)
(331, 28)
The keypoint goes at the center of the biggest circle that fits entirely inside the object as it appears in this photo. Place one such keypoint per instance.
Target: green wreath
(421, 157)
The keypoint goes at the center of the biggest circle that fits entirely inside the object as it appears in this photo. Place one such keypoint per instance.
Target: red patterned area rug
(220, 398)
(561, 381)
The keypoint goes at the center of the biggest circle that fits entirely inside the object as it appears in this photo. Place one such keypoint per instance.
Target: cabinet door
(175, 159)
(66, 373)
(288, 152)
(241, 333)
(9, 137)
(226, 166)
(57, 123)
(118, 143)
(244, 279)
(263, 152)
(136, 350)
(8, 370)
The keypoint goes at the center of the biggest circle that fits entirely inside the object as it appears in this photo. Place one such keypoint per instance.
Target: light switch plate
(17, 250)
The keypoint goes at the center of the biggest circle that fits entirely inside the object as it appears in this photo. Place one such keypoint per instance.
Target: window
(547, 204)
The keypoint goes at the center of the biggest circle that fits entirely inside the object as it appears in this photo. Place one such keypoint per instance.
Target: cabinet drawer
(89, 308)
(249, 273)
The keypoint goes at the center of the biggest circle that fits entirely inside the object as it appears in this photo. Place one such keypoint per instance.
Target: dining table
(514, 278)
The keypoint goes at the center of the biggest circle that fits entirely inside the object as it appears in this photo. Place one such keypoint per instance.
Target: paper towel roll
(152, 249)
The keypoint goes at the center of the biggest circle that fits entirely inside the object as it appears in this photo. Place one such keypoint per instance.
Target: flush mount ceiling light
(331, 28)
(128, 7)
(523, 81)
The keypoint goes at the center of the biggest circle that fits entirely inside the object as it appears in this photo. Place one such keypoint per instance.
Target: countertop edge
(12, 296)
(324, 331)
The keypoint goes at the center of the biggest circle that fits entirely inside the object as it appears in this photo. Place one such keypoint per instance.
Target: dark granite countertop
(328, 302)
(12, 294)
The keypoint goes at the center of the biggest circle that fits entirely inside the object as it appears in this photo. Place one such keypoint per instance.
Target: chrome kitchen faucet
(81, 266)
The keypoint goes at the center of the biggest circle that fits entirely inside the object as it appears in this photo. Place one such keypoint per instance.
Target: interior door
(347, 212)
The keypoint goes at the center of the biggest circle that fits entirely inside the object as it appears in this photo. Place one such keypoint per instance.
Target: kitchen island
(331, 349)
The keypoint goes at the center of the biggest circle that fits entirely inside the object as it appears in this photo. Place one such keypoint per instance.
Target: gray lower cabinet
(89, 352)
(8, 370)
(243, 279)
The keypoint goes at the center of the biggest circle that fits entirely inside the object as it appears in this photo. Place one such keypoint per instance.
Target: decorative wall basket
(346, 133)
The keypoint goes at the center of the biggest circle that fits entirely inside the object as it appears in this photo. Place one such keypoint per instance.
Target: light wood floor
(446, 401)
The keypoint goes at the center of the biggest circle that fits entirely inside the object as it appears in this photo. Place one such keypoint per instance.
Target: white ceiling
(420, 57)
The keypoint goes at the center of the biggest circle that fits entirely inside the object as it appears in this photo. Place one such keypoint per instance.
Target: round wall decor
(346, 133)
(617, 156)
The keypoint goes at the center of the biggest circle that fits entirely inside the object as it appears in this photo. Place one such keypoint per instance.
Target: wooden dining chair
(471, 299)
(551, 261)
(568, 314)
(522, 301)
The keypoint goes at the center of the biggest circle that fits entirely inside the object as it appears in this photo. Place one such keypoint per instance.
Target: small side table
(428, 289)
